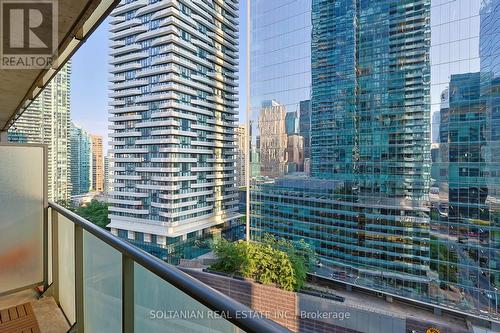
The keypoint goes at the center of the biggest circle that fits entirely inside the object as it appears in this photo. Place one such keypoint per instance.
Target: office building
(463, 204)
(295, 153)
(272, 139)
(81, 160)
(383, 207)
(173, 113)
(305, 126)
(489, 37)
(435, 118)
(376, 169)
(295, 143)
(292, 123)
(464, 214)
(97, 164)
(437, 115)
(47, 121)
(241, 154)
(254, 153)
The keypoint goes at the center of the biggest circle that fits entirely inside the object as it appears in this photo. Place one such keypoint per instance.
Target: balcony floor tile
(49, 316)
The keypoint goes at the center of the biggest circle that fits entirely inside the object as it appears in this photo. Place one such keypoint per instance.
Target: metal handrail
(213, 299)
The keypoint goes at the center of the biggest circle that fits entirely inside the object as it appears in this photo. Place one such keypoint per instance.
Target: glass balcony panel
(161, 307)
(66, 265)
(21, 216)
(102, 286)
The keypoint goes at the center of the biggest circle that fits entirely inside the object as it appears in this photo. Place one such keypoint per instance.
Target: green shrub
(95, 211)
(232, 256)
(274, 261)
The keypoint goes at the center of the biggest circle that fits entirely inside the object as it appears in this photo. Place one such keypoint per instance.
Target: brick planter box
(276, 304)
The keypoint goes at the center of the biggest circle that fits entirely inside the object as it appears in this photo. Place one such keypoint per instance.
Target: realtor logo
(29, 33)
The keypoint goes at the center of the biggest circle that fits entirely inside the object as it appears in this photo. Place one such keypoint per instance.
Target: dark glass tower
(305, 126)
(382, 206)
(370, 130)
(465, 215)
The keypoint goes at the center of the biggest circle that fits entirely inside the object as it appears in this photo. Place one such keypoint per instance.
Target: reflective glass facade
(397, 104)
(81, 160)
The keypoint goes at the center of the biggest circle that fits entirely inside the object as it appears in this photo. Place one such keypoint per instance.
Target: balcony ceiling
(77, 19)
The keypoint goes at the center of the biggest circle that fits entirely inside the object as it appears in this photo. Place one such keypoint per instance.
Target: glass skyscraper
(305, 127)
(383, 207)
(81, 160)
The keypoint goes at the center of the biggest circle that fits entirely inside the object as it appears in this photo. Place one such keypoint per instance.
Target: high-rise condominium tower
(106, 174)
(97, 163)
(47, 121)
(81, 160)
(173, 114)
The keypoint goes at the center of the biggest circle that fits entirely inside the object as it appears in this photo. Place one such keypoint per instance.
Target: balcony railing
(101, 282)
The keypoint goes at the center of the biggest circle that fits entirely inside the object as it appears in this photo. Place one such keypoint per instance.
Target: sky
(89, 87)
(89, 84)
(89, 79)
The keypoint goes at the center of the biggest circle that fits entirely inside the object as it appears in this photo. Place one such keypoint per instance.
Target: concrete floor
(49, 316)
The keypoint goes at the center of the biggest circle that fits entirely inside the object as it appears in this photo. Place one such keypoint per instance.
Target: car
(490, 295)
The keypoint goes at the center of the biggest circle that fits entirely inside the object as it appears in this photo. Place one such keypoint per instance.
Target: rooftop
(359, 299)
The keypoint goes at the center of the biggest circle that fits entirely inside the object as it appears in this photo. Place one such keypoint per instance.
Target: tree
(95, 211)
(294, 248)
(269, 262)
(301, 255)
(69, 204)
